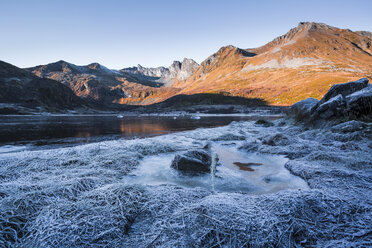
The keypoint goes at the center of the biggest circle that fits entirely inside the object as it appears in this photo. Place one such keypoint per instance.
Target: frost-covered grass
(78, 197)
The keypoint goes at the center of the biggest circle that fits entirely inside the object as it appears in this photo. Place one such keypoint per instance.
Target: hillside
(303, 63)
(19, 87)
(135, 85)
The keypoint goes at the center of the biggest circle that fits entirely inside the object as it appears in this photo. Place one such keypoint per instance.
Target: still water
(237, 171)
(69, 130)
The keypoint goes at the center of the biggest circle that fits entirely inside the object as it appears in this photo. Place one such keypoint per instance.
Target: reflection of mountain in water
(44, 130)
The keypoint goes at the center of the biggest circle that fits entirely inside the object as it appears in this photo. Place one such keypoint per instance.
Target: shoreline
(331, 161)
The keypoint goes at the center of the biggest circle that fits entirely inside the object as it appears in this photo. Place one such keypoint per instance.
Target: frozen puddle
(237, 172)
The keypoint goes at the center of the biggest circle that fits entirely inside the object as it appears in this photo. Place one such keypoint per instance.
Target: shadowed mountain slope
(20, 87)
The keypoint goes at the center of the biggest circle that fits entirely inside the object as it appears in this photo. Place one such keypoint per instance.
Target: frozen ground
(80, 196)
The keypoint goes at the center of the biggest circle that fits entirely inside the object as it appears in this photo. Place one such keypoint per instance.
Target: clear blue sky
(123, 33)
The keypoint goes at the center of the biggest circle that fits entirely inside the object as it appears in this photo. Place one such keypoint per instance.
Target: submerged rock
(194, 162)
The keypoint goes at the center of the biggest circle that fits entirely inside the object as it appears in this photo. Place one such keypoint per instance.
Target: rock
(350, 126)
(335, 106)
(344, 89)
(276, 140)
(177, 70)
(186, 69)
(302, 109)
(348, 100)
(229, 137)
(265, 123)
(251, 146)
(360, 103)
(193, 162)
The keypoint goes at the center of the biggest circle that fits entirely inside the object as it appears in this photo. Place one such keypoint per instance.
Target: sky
(120, 34)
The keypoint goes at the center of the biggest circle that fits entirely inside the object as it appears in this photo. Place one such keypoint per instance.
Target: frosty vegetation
(77, 196)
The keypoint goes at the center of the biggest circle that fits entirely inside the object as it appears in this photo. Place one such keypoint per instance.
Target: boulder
(194, 162)
(229, 137)
(360, 103)
(348, 100)
(334, 107)
(349, 126)
(264, 123)
(302, 109)
(344, 89)
(276, 140)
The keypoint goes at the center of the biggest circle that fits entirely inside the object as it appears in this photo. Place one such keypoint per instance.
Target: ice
(271, 177)
(10, 148)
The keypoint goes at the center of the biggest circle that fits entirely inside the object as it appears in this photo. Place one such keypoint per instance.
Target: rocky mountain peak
(60, 66)
(94, 66)
(177, 70)
(313, 25)
(186, 69)
(175, 66)
(365, 33)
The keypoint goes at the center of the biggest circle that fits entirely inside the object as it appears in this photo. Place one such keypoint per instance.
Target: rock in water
(193, 162)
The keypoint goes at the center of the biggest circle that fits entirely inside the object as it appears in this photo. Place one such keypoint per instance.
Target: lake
(38, 131)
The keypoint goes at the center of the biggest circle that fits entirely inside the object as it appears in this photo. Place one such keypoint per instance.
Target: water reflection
(246, 166)
(43, 130)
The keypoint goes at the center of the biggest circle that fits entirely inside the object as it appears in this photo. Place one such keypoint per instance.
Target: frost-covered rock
(360, 102)
(352, 99)
(265, 123)
(229, 137)
(333, 107)
(344, 89)
(302, 109)
(350, 126)
(276, 140)
(194, 162)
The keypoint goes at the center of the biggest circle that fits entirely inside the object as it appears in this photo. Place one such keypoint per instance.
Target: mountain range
(21, 87)
(302, 63)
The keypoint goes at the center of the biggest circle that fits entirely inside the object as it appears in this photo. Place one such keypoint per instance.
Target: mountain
(167, 76)
(303, 63)
(135, 85)
(19, 87)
